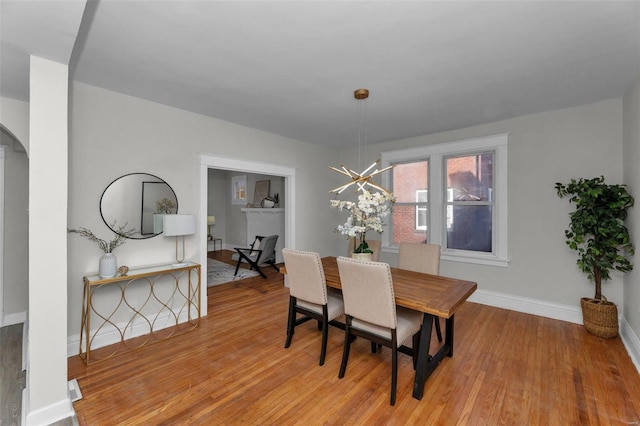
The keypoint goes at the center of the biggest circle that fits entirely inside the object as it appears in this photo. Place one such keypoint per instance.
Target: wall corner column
(46, 396)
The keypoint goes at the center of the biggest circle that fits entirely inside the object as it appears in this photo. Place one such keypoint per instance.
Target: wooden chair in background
(423, 258)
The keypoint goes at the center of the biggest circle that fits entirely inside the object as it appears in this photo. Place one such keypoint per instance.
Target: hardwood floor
(508, 368)
(12, 378)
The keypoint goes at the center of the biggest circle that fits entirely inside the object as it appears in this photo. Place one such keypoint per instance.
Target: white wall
(16, 202)
(631, 102)
(543, 149)
(114, 134)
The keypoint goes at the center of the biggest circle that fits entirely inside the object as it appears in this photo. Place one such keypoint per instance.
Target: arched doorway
(14, 220)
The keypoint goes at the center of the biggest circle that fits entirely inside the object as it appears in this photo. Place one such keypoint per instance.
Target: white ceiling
(290, 68)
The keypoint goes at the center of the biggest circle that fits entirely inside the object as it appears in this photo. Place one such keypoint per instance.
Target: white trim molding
(61, 410)
(208, 161)
(17, 318)
(528, 305)
(631, 342)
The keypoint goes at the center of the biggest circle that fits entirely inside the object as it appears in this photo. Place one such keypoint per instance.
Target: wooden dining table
(433, 295)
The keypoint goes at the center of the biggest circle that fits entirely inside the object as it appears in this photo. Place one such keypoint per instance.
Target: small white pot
(108, 265)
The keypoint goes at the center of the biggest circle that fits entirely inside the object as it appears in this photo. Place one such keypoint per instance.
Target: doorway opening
(246, 166)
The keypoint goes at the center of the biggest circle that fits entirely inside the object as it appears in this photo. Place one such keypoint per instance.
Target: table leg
(448, 336)
(423, 356)
(427, 363)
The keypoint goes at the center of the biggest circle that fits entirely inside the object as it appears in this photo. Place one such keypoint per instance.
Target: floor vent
(74, 390)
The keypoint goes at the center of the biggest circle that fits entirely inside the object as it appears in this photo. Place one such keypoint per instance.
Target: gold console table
(145, 306)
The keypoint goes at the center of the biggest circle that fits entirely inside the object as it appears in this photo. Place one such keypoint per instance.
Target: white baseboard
(631, 342)
(50, 414)
(16, 318)
(528, 306)
(25, 344)
(555, 311)
(139, 328)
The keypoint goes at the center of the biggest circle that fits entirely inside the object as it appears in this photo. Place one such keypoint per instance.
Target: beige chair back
(367, 291)
(418, 257)
(305, 276)
(374, 246)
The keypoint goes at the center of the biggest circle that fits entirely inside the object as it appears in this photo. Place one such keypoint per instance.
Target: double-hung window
(453, 194)
(410, 220)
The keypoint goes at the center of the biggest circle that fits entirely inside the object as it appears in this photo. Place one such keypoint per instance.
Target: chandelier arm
(339, 171)
(342, 188)
(369, 168)
(378, 187)
(347, 171)
(377, 172)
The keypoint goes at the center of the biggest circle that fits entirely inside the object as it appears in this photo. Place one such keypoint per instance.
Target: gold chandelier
(362, 179)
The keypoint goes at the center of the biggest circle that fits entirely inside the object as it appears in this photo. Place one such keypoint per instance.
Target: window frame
(422, 205)
(436, 154)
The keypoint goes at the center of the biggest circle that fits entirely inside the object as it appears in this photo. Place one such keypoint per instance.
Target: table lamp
(179, 225)
(211, 220)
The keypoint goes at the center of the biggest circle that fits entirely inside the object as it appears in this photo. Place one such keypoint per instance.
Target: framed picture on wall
(239, 189)
(261, 191)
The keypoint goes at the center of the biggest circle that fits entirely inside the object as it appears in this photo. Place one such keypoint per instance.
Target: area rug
(220, 272)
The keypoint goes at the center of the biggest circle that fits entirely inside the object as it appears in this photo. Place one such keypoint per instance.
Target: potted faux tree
(597, 232)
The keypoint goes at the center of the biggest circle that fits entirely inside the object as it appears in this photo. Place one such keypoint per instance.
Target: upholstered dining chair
(308, 295)
(423, 258)
(374, 246)
(261, 252)
(371, 312)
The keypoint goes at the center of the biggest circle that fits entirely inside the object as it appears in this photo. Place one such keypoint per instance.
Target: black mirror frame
(139, 236)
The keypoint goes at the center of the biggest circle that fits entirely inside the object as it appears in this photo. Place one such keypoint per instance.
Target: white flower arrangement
(365, 215)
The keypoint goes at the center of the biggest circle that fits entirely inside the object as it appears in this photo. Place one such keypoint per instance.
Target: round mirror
(137, 202)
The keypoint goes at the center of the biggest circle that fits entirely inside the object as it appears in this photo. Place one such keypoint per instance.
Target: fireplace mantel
(263, 211)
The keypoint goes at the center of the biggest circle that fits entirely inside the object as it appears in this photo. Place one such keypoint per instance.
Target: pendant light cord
(362, 115)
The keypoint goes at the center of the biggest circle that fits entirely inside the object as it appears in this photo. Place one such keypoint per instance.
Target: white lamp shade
(178, 224)
(211, 220)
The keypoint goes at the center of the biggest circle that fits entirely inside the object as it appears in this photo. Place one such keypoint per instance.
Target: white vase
(108, 265)
(361, 256)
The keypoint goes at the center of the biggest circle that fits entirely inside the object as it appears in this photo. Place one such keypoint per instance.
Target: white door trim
(207, 162)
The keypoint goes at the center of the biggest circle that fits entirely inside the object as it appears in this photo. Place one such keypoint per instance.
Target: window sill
(488, 260)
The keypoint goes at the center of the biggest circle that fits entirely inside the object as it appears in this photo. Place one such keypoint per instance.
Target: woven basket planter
(600, 317)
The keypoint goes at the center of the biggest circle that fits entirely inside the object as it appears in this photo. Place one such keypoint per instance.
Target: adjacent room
(172, 173)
